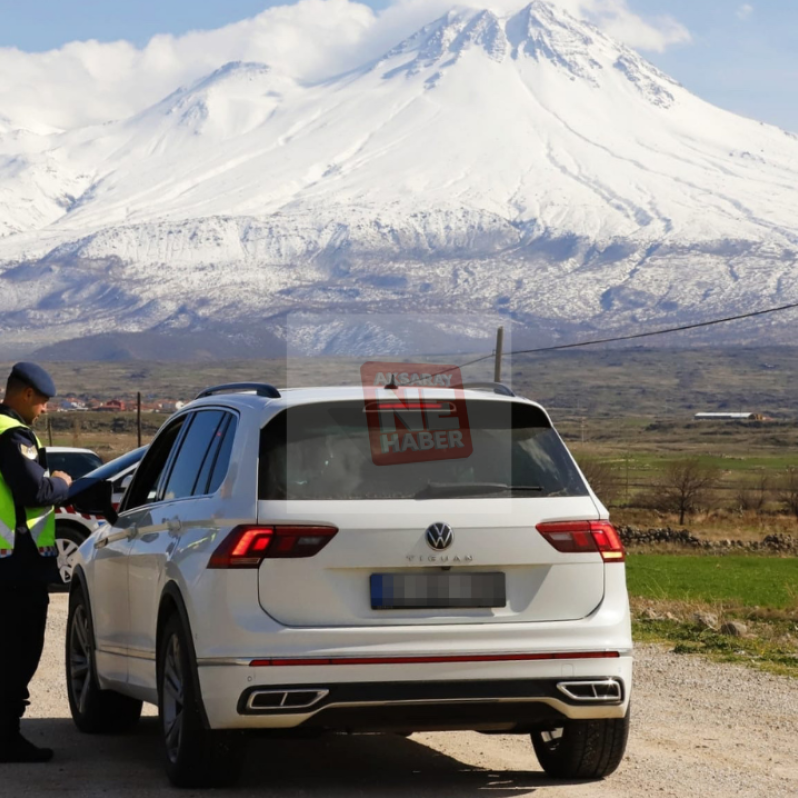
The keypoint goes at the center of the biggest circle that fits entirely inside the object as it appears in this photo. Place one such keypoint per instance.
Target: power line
(666, 331)
(637, 336)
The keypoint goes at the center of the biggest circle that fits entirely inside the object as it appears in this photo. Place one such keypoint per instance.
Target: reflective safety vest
(40, 520)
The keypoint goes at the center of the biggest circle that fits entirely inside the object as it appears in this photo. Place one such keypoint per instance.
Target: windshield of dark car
(76, 464)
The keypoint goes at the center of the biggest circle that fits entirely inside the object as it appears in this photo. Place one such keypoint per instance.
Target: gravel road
(699, 731)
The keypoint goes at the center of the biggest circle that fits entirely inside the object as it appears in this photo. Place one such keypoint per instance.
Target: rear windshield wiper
(437, 489)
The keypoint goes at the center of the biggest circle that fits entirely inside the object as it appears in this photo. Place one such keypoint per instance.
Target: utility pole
(138, 415)
(497, 368)
(627, 476)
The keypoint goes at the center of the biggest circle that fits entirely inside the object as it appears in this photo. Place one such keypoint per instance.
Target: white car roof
(68, 450)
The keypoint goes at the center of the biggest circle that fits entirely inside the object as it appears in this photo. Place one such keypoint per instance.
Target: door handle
(173, 524)
(125, 535)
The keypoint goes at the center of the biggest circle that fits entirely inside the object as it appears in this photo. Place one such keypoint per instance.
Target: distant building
(71, 404)
(116, 405)
(729, 417)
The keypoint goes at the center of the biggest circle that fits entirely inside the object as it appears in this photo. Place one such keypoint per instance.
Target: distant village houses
(69, 404)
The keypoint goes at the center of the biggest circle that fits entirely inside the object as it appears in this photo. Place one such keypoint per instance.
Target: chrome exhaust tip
(602, 691)
(261, 700)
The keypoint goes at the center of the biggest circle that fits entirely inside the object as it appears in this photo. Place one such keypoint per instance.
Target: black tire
(93, 710)
(582, 749)
(67, 541)
(194, 756)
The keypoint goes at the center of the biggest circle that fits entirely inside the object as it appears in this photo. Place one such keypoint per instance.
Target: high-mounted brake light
(585, 536)
(248, 546)
(409, 404)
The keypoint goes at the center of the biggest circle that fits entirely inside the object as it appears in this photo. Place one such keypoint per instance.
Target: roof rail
(260, 388)
(496, 387)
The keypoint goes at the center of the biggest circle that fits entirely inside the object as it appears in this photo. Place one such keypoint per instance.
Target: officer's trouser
(24, 618)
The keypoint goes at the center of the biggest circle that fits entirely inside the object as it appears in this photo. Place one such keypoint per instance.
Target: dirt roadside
(699, 731)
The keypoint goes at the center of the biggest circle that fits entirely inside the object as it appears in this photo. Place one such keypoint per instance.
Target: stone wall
(777, 544)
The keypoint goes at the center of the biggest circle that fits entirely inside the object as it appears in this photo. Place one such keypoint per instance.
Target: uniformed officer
(27, 550)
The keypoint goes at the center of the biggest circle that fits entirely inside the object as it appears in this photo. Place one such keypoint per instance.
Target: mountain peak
(224, 104)
(447, 39)
(557, 41)
(234, 70)
(546, 33)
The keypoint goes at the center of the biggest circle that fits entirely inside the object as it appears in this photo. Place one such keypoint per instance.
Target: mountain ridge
(522, 163)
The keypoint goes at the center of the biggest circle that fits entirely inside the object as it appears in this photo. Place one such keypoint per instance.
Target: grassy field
(741, 582)
(666, 592)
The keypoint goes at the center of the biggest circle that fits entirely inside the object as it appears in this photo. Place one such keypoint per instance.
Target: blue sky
(742, 56)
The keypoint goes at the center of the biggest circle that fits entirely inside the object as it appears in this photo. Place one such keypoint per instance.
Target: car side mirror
(94, 498)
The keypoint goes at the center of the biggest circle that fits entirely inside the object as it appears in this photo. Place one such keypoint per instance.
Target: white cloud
(87, 82)
(744, 11)
(90, 82)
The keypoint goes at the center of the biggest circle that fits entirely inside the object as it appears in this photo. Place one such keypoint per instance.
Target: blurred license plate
(436, 590)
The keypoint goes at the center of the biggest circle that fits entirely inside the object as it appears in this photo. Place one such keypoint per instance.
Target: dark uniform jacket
(31, 488)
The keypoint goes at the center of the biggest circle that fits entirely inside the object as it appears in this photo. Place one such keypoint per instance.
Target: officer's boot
(15, 748)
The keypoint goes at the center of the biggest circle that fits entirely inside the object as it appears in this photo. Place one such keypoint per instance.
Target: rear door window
(222, 457)
(322, 452)
(198, 448)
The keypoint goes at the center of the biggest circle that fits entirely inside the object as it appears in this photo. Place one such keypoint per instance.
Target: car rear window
(322, 452)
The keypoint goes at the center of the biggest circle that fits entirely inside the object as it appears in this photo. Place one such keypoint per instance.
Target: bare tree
(787, 491)
(686, 485)
(603, 478)
(753, 494)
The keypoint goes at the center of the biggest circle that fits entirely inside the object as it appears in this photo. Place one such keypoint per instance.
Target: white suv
(268, 571)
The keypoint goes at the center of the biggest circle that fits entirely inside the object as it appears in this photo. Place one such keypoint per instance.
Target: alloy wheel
(80, 658)
(173, 699)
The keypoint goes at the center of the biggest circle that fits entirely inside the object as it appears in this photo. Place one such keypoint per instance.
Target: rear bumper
(496, 696)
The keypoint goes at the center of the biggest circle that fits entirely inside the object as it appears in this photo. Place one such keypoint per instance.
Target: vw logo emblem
(439, 536)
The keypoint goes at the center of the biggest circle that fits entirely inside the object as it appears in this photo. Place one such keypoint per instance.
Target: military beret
(36, 377)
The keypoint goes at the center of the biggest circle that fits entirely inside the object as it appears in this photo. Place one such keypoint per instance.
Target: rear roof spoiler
(260, 388)
(496, 387)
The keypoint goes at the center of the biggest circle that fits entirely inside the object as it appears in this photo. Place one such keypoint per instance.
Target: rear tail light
(248, 546)
(585, 536)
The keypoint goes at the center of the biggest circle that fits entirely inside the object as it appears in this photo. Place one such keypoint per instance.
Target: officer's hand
(62, 475)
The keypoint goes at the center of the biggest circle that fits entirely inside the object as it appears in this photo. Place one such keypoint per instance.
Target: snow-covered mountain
(526, 164)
